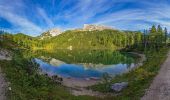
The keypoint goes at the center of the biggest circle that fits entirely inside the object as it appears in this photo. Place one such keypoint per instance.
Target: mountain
(91, 27)
(50, 33)
(104, 39)
(89, 37)
(87, 27)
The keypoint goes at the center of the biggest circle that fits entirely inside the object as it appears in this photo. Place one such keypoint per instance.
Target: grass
(139, 79)
(26, 84)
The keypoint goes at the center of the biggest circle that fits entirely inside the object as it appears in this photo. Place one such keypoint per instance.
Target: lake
(83, 64)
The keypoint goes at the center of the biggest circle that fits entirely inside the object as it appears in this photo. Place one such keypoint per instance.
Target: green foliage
(159, 29)
(6, 41)
(138, 79)
(155, 39)
(106, 57)
(27, 84)
(25, 41)
(106, 80)
(166, 35)
(153, 29)
(106, 39)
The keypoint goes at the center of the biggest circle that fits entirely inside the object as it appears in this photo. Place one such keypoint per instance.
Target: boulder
(117, 87)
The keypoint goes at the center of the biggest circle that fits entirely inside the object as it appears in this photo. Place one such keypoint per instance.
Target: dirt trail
(3, 86)
(160, 87)
(4, 55)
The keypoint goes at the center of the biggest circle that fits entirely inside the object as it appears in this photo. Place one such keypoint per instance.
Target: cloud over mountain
(35, 16)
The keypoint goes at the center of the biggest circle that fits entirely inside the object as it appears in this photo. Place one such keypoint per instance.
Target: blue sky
(36, 16)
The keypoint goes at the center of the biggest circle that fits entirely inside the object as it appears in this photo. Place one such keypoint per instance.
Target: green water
(83, 63)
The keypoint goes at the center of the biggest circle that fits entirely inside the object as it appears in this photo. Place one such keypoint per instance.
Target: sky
(33, 17)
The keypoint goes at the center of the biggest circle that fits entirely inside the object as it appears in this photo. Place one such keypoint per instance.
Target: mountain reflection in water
(84, 64)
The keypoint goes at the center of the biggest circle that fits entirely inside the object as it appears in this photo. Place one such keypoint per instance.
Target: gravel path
(4, 55)
(160, 87)
(3, 86)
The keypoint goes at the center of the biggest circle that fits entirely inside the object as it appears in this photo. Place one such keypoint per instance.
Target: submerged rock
(117, 87)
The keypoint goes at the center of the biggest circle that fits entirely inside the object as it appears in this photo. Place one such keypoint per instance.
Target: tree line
(155, 37)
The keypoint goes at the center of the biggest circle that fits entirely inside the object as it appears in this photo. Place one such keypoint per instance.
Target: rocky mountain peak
(91, 27)
(55, 32)
(51, 33)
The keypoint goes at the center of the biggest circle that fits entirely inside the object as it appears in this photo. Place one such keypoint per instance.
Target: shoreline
(79, 86)
(82, 83)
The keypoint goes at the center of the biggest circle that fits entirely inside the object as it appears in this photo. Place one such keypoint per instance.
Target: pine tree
(166, 34)
(159, 30)
(153, 29)
(160, 36)
(152, 35)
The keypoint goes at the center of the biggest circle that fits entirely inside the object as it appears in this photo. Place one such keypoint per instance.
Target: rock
(70, 47)
(55, 32)
(94, 78)
(5, 55)
(91, 27)
(57, 79)
(87, 79)
(50, 33)
(56, 62)
(117, 87)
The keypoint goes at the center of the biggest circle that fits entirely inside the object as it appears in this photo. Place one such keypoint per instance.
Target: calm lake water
(84, 63)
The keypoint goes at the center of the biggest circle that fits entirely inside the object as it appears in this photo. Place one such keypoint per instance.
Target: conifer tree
(153, 29)
(166, 34)
(159, 29)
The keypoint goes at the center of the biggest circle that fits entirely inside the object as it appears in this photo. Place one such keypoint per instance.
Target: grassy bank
(27, 84)
(139, 79)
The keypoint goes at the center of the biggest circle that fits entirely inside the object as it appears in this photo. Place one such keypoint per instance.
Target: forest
(22, 71)
(155, 37)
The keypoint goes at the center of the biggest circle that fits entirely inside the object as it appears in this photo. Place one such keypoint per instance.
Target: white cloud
(74, 15)
(43, 15)
(150, 13)
(20, 23)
